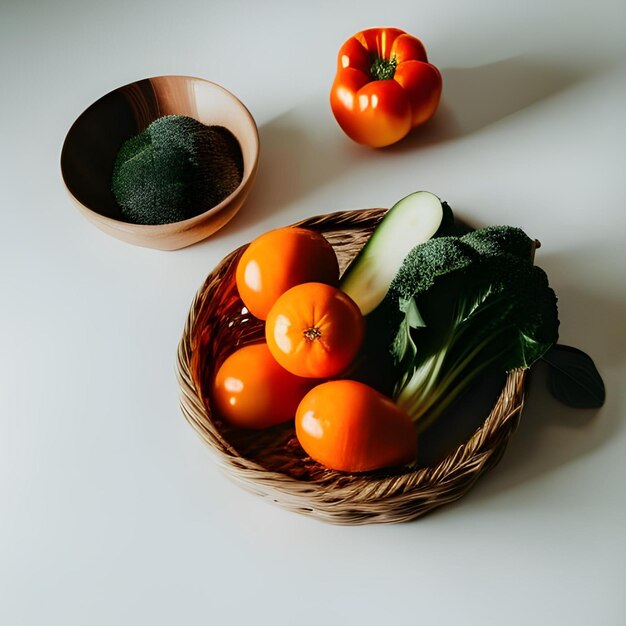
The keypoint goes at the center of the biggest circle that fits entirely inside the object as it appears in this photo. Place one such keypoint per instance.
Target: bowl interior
(96, 136)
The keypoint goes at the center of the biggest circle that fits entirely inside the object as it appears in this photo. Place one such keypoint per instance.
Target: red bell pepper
(384, 86)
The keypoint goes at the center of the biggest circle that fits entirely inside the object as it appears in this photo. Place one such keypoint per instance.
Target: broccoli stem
(429, 393)
(439, 380)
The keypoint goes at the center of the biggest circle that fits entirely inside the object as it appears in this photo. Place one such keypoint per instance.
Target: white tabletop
(112, 511)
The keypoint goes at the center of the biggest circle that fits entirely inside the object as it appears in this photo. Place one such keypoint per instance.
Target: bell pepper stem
(383, 69)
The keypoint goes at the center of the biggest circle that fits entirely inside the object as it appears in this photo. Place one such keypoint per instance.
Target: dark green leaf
(573, 378)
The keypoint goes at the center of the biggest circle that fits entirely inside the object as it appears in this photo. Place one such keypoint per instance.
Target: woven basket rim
(339, 497)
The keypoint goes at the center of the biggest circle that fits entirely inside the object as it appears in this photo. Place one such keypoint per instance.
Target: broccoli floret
(495, 240)
(175, 169)
(462, 308)
(425, 263)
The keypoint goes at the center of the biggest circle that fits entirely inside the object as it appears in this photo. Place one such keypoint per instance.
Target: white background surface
(112, 511)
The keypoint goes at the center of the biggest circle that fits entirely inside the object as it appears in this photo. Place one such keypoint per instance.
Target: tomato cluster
(289, 278)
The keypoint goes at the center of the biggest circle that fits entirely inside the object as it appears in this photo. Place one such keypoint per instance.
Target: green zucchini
(413, 220)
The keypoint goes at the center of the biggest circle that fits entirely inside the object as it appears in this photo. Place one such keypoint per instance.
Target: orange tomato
(314, 330)
(251, 390)
(350, 427)
(279, 260)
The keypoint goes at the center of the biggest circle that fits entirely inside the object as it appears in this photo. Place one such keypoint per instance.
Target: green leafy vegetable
(460, 305)
(574, 378)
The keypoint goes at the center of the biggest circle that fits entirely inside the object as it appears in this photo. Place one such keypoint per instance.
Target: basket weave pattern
(271, 463)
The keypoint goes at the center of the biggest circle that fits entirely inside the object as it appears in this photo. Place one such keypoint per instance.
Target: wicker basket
(271, 463)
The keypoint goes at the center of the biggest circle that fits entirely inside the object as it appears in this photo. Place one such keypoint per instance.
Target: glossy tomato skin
(377, 111)
(279, 260)
(251, 390)
(348, 426)
(314, 330)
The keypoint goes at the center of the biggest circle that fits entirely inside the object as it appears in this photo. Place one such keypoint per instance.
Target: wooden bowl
(94, 139)
(271, 463)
